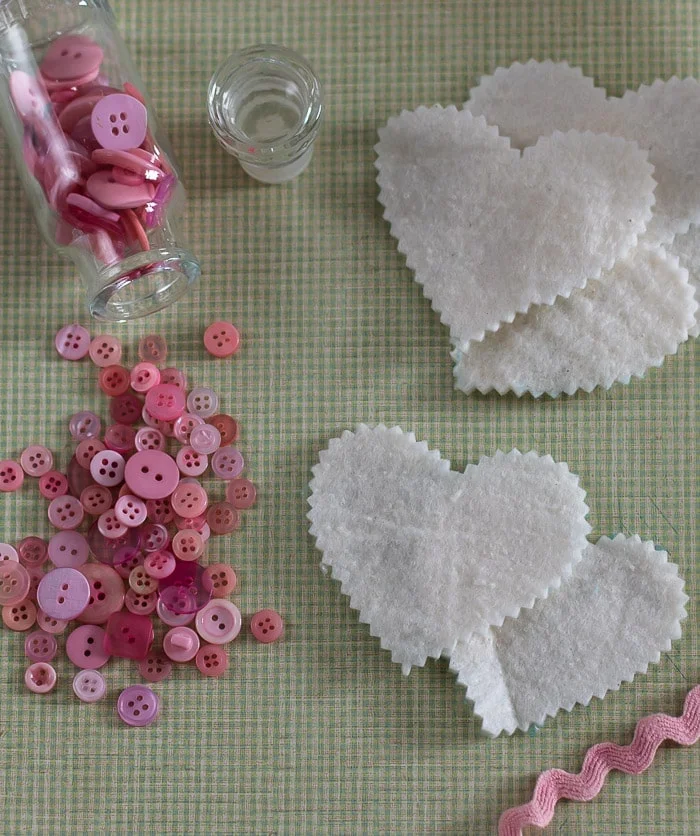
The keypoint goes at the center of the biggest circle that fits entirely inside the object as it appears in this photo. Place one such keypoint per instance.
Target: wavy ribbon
(600, 759)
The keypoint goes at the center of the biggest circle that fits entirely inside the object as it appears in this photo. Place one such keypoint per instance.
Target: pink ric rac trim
(556, 784)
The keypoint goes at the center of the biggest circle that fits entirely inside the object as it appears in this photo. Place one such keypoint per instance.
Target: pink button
(85, 204)
(121, 438)
(128, 635)
(211, 660)
(166, 427)
(108, 468)
(103, 188)
(53, 485)
(151, 474)
(223, 518)
(174, 377)
(205, 439)
(68, 549)
(138, 706)
(36, 573)
(28, 95)
(220, 579)
(119, 122)
(154, 537)
(48, 624)
(190, 462)
(221, 339)
(140, 604)
(126, 560)
(267, 626)
(33, 551)
(149, 438)
(227, 427)
(8, 553)
(19, 617)
(159, 511)
(11, 476)
(141, 582)
(241, 493)
(84, 425)
(66, 512)
(36, 460)
(181, 644)
(114, 380)
(184, 425)
(198, 523)
(106, 593)
(89, 686)
(165, 402)
(130, 511)
(40, 646)
(87, 450)
(155, 667)
(40, 678)
(129, 163)
(153, 349)
(171, 618)
(202, 401)
(63, 593)
(135, 233)
(144, 376)
(71, 57)
(109, 526)
(188, 545)
(189, 500)
(96, 499)
(72, 342)
(105, 350)
(219, 621)
(125, 409)
(227, 463)
(159, 564)
(77, 109)
(85, 647)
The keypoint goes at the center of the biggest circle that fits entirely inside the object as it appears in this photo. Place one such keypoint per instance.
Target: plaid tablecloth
(321, 733)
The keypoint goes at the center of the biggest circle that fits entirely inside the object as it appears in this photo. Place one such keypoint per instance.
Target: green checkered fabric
(321, 733)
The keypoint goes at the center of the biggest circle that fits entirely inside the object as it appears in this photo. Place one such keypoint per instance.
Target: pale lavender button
(68, 549)
(89, 686)
(72, 342)
(108, 550)
(107, 468)
(84, 425)
(119, 122)
(202, 401)
(138, 705)
(63, 593)
(173, 619)
(40, 646)
(205, 439)
(227, 463)
(154, 536)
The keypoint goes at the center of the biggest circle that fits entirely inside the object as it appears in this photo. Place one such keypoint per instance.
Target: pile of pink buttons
(89, 146)
(132, 526)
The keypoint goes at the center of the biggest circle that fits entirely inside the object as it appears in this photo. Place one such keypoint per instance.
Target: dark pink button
(151, 474)
(159, 564)
(165, 402)
(68, 549)
(114, 380)
(53, 485)
(227, 427)
(121, 438)
(128, 635)
(72, 57)
(138, 706)
(72, 342)
(221, 339)
(241, 493)
(125, 409)
(33, 551)
(40, 646)
(11, 476)
(106, 593)
(63, 593)
(155, 667)
(119, 122)
(267, 626)
(85, 647)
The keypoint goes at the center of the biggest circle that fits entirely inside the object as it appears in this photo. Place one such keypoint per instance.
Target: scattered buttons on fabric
(123, 574)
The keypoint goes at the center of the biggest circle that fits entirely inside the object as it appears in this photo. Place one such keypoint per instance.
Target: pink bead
(175, 377)
(63, 593)
(189, 500)
(173, 619)
(19, 617)
(125, 409)
(241, 493)
(205, 439)
(155, 667)
(211, 660)
(11, 476)
(222, 518)
(66, 513)
(151, 474)
(114, 380)
(138, 706)
(84, 425)
(40, 678)
(202, 401)
(40, 646)
(219, 621)
(140, 604)
(181, 644)
(53, 485)
(190, 462)
(72, 342)
(85, 647)
(48, 624)
(105, 350)
(96, 499)
(220, 579)
(87, 450)
(33, 551)
(184, 425)
(121, 438)
(71, 57)
(144, 376)
(128, 635)
(159, 564)
(227, 463)
(36, 460)
(165, 402)
(221, 339)
(109, 525)
(267, 626)
(188, 545)
(106, 593)
(68, 549)
(107, 468)
(153, 348)
(119, 122)
(89, 686)
(8, 553)
(130, 511)
(154, 536)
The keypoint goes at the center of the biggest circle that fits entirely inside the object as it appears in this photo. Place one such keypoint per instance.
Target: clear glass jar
(97, 169)
(265, 107)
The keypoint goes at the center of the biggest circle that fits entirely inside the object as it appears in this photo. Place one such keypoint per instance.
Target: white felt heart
(430, 556)
(610, 620)
(613, 329)
(490, 233)
(530, 100)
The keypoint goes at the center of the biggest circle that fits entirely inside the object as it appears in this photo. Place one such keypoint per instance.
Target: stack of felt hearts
(545, 222)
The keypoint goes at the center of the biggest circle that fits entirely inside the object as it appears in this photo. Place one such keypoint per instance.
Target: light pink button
(40, 646)
(149, 438)
(197, 523)
(66, 512)
(108, 468)
(84, 203)
(144, 376)
(172, 619)
(109, 525)
(190, 462)
(189, 500)
(36, 460)
(219, 621)
(105, 350)
(103, 187)
(96, 499)
(72, 342)
(155, 667)
(222, 518)
(84, 424)
(220, 579)
(121, 438)
(19, 617)
(241, 493)
(211, 660)
(159, 564)
(205, 439)
(181, 644)
(166, 427)
(114, 380)
(130, 510)
(188, 545)
(48, 624)
(28, 95)
(85, 647)
(153, 348)
(71, 57)
(87, 450)
(53, 485)
(141, 582)
(151, 474)
(165, 402)
(129, 163)
(106, 593)
(227, 463)
(89, 686)
(140, 604)
(221, 339)
(8, 553)
(154, 536)
(68, 549)
(63, 593)
(11, 476)
(119, 122)
(184, 425)
(135, 233)
(202, 401)
(267, 626)
(77, 109)
(40, 678)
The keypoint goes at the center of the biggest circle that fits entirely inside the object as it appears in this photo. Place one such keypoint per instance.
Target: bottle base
(280, 173)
